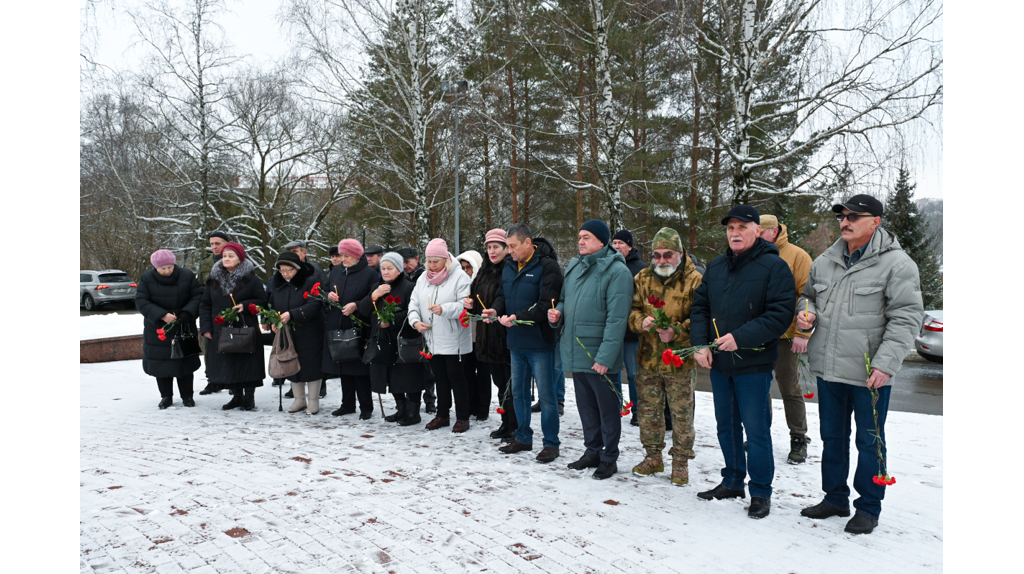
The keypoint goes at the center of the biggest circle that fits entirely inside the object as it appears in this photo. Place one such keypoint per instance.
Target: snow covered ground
(203, 490)
(109, 325)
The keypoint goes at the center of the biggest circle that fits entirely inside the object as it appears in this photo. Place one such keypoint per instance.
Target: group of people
(515, 316)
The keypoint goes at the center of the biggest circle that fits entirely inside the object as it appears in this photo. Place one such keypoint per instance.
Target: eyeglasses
(665, 256)
(851, 217)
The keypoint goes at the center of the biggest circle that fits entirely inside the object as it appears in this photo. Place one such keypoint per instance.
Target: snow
(160, 489)
(109, 325)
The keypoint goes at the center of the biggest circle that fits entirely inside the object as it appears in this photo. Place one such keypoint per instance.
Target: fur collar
(227, 282)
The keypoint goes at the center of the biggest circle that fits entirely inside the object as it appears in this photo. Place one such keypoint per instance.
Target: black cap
(373, 250)
(860, 203)
(743, 213)
(408, 252)
(220, 234)
(332, 251)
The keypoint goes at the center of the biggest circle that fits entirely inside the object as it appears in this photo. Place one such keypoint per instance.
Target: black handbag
(187, 342)
(345, 345)
(409, 347)
(237, 340)
(380, 350)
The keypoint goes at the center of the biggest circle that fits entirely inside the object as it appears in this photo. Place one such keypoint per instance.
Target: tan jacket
(677, 292)
(800, 264)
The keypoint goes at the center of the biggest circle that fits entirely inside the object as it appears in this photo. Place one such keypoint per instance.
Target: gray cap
(296, 243)
(408, 252)
(373, 250)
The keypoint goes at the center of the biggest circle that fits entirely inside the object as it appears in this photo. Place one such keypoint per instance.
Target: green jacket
(596, 296)
(873, 307)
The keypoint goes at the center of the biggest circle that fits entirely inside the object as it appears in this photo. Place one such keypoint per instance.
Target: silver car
(106, 286)
(929, 341)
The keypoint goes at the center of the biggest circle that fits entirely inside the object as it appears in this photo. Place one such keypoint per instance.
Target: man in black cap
(411, 263)
(744, 304)
(622, 242)
(373, 254)
(863, 300)
(217, 239)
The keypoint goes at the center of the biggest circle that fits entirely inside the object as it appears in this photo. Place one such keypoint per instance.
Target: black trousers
(356, 387)
(479, 382)
(599, 412)
(167, 388)
(500, 374)
(450, 379)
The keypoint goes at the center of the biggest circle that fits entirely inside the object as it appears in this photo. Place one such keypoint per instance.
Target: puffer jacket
(800, 264)
(750, 295)
(156, 296)
(446, 335)
(873, 307)
(352, 284)
(677, 292)
(595, 300)
(635, 265)
(527, 294)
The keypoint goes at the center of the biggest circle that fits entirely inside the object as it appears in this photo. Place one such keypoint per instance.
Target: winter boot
(680, 471)
(323, 388)
(651, 464)
(399, 412)
(313, 402)
(248, 395)
(165, 402)
(299, 394)
(234, 403)
(412, 412)
(797, 450)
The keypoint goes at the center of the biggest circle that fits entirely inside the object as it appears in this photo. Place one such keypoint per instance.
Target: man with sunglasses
(863, 301)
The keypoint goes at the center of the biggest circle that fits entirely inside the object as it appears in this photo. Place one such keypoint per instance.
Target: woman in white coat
(434, 311)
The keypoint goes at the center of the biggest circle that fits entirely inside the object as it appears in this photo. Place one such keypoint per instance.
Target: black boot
(431, 403)
(399, 412)
(323, 389)
(412, 411)
(234, 403)
(248, 398)
(208, 390)
(501, 431)
(165, 402)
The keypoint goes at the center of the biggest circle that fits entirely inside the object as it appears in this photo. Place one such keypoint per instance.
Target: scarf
(437, 278)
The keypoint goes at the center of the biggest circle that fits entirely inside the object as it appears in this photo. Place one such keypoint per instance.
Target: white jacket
(446, 336)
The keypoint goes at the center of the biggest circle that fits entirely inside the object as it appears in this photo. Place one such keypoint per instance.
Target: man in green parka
(596, 296)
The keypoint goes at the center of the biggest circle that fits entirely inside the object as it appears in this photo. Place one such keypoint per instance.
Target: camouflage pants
(651, 389)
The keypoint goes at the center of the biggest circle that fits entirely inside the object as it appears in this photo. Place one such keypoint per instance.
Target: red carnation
(218, 320)
(161, 332)
(809, 396)
(501, 411)
(162, 337)
(305, 295)
(676, 361)
(316, 289)
(426, 355)
(253, 309)
(667, 356)
(464, 318)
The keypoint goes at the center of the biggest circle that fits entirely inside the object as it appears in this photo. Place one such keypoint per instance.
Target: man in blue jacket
(531, 281)
(744, 304)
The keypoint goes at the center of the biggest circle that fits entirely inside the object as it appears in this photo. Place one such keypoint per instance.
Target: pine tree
(904, 221)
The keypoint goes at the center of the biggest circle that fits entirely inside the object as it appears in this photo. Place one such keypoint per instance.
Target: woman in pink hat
(434, 311)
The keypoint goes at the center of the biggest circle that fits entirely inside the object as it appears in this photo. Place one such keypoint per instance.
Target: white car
(929, 341)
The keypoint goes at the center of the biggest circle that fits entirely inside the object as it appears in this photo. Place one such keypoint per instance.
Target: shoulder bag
(284, 360)
(409, 346)
(237, 339)
(345, 345)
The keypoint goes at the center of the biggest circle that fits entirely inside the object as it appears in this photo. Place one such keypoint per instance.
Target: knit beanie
(350, 247)
(624, 236)
(238, 249)
(394, 259)
(161, 257)
(437, 248)
(667, 238)
(288, 258)
(598, 229)
(496, 235)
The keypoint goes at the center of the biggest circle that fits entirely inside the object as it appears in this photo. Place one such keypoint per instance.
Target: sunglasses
(665, 256)
(851, 217)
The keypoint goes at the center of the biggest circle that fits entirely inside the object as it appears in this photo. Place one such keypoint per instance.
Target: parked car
(105, 287)
(929, 341)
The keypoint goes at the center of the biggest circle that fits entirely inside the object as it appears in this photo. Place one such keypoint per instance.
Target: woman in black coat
(491, 350)
(168, 293)
(233, 283)
(305, 318)
(403, 380)
(346, 285)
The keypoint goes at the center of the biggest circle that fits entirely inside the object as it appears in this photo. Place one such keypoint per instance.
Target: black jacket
(352, 284)
(399, 377)
(752, 296)
(156, 296)
(412, 277)
(490, 345)
(635, 265)
(528, 294)
(307, 320)
(233, 368)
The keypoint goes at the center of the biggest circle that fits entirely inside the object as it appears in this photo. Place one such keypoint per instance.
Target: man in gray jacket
(863, 300)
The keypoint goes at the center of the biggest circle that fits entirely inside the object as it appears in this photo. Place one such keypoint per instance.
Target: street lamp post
(446, 87)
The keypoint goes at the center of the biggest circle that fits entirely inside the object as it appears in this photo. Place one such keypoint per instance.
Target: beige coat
(800, 264)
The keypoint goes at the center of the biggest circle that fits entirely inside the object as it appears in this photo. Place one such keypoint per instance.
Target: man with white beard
(669, 285)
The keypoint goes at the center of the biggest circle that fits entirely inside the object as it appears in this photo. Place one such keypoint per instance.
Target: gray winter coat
(873, 307)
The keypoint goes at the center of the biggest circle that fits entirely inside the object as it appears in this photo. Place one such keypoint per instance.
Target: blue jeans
(836, 402)
(629, 350)
(743, 403)
(541, 366)
(559, 375)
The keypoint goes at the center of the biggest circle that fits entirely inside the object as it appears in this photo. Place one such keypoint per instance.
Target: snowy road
(203, 490)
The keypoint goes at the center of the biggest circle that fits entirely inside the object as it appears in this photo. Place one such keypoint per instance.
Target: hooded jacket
(750, 295)
(677, 292)
(446, 335)
(873, 307)
(475, 260)
(527, 294)
(595, 301)
(800, 264)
